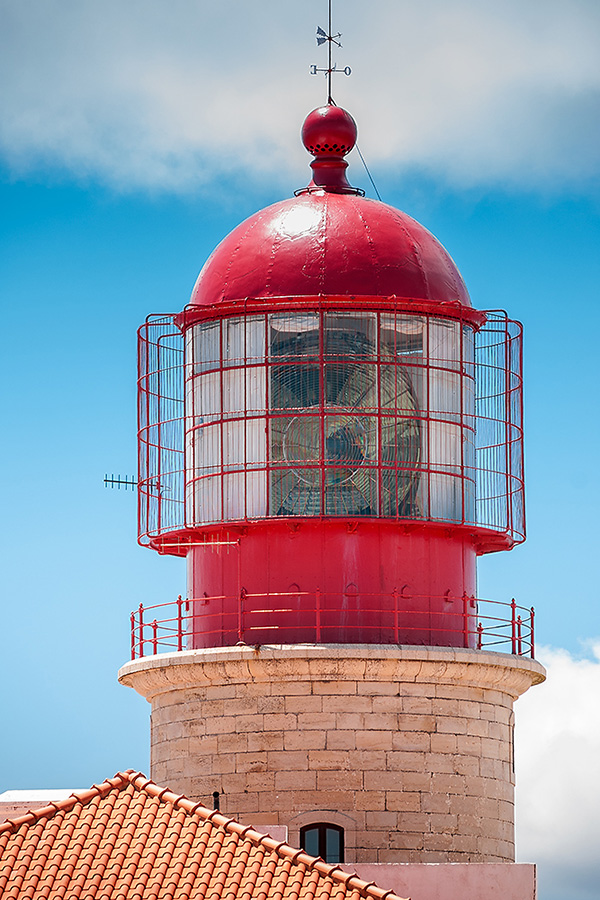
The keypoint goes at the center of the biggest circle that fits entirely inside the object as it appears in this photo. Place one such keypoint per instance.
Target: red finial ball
(329, 131)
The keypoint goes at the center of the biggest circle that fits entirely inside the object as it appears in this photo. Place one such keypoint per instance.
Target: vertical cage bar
(140, 630)
(179, 622)
(513, 624)
(466, 619)
(318, 615)
(132, 623)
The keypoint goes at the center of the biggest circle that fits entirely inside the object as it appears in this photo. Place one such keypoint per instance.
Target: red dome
(329, 243)
(329, 240)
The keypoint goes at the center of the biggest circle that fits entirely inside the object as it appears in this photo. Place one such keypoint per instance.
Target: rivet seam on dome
(452, 271)
(274, 247)
(372, 246)
(415, 251)
(237, 249)
(323, 241)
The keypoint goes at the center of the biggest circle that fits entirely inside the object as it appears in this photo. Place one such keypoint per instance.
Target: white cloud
(558, 776)
(142, 92)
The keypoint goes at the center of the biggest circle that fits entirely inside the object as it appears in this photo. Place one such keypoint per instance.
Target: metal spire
(330, 38)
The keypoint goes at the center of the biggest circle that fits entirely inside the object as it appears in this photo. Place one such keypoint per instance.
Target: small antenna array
(118, 482)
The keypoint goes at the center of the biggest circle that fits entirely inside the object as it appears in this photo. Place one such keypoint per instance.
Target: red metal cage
(437, 436)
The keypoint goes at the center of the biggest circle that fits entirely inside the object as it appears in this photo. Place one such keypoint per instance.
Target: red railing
(481, 624)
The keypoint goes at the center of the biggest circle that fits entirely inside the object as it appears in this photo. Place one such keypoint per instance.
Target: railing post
(513, 624)
(155, 637)
(132, 620)
(179, 622)
(318, 615)
(532, 634)
(466, 619)
(243, 593)
(141, 629)
(479, 636)
(519, 635)
(396, 632)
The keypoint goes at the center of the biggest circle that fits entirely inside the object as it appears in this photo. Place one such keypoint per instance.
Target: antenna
(127, 482)
(330, 38)
(119, 482)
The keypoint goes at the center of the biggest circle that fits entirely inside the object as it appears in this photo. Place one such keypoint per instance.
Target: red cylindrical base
(329, 581)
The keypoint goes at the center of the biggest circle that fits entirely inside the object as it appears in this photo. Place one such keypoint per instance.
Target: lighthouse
(330, 433)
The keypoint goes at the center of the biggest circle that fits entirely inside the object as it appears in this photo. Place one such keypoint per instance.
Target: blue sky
(133, 137)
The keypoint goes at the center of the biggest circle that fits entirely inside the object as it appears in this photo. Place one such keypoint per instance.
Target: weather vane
(330, 38)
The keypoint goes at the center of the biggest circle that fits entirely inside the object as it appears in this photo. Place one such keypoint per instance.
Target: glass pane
(234, 394)
(445, 446)
(354, 497)
(333, 845)
(311, 841)
(207, 499)
(294, 335)
(234, 335)
(295, 385)
(206, 346)
(233, 496)
(444, 394)
(401, 457)
(445, 495)
(346, 445)
(256, 390)
(402, 335)
(255, 339)
(292, 496)
(243, 341)
(256, 443)
(301, 445)
(234, 440)
(207, 396)
(444, 343)
(256, 494)
(350, 335)
(351, 385)
(207, 445)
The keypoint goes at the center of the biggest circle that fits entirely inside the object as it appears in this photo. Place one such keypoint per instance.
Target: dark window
(326, 841)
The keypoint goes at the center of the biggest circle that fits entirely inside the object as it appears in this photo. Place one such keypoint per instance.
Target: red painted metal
(180, 622)
(329, 133)
(253, 622)
(314, 511)
(352, 564)
(328, 244)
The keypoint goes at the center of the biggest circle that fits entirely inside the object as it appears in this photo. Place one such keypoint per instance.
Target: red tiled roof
(129, 838)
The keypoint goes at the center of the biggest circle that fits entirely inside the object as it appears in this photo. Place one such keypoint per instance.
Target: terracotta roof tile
(130, 839)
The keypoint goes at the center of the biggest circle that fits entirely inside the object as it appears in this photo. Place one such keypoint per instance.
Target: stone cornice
(189, 669)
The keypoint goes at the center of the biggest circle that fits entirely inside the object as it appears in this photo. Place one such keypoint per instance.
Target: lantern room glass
(335, 413)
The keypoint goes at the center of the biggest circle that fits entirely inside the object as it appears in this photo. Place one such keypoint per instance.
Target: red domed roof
(325, 243)
(329, 240)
